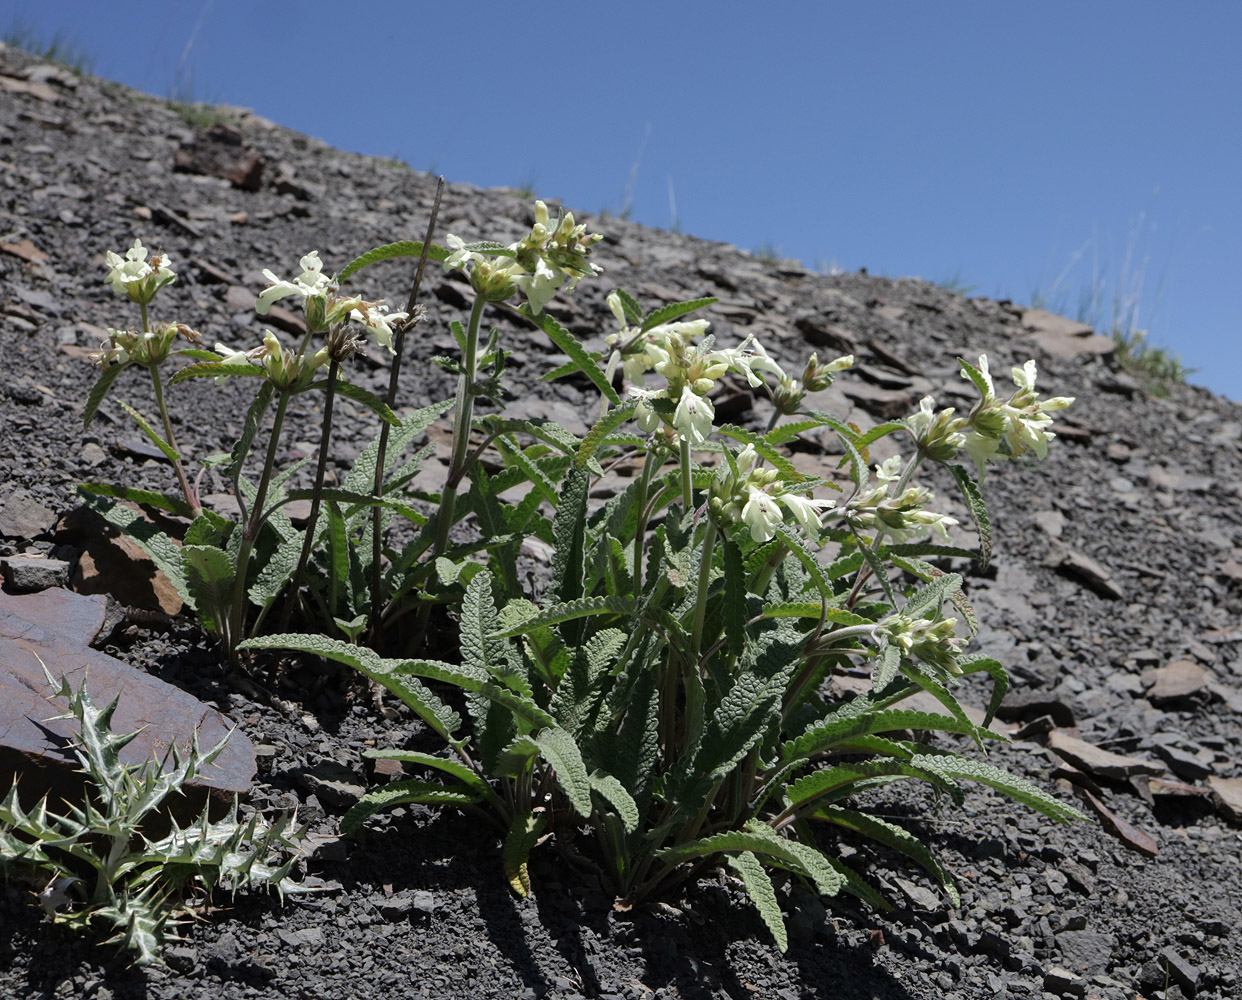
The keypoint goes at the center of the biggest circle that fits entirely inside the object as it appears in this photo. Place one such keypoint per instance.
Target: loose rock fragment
(1098, 760)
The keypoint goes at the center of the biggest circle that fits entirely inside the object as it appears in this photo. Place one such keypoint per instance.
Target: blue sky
(1046, 148)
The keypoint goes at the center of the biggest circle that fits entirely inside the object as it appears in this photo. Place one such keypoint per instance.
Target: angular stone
(1227, 796)
(1129, 834)
(24, 517)
(25, 574)
(887, 404)
(113, 564)
(1084, 569)
(25, 250)
(1066, 338)
(1182, 763)
(218, 153)
(56, 626)
(1177, 681)
(1097, 760)
(1180, 970)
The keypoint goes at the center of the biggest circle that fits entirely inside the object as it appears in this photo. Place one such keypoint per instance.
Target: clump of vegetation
(61, 48)
(1154, 367)
(102, 867)
(202, 115)
(669, 689)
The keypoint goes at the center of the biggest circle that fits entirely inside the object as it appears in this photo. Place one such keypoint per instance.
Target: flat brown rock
(1097, 760)
(1227, 795)
(1176, 681)
(56, 626)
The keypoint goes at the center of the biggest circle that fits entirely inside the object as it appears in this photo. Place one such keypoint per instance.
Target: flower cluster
(895, 509)
(691, 373)
(754, 496)
(137, 278)
(816, 377)
(147, 348)
(993, 428)
(539, 264)
(932, 640)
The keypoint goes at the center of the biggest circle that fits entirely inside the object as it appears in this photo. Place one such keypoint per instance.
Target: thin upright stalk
(251, 530)
(640, 532)
(191, 498)
(463, 417)
(687, 497)
(394, 376)
(308, 542)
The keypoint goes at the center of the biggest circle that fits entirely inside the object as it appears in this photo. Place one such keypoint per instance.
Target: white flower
(376, 318)
(761, 515)
(805, 509)
(541, 286)
(312, 281)
(751, 357)
(693, 416)
(889, 471)
(132, 275)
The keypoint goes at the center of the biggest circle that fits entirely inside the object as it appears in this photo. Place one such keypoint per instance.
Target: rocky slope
(1116, 602)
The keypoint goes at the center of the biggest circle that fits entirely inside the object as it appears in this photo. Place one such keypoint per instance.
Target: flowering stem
(700, 604)
(191, 497)
(308, 542)
(865, 570)
(640, 532)
(251, 530)
(394, 375)
(687, 497)
(463, 416)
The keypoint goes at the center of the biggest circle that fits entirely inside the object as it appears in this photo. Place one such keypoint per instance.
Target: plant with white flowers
(669, 689)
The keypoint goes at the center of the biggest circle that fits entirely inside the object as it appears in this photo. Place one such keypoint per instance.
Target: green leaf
(826, 735)
(361, 478)
(978, 510)
(734, 599)
(1000, 680)
(837, 782)
(811, 609)
(760, 444)
(218, 370)
(976, 376)
(760, 839)
(926, 601)
(391, 251)
(670, 312)
(523, 834)
(148, 498)
(168, 450)
(616, 795)
(442, 720)
(254, 417)
(452, 767)
(209, 576)
(490, 247)
(360, 395)
(399, 793)
(952, 766)
(568, 343)
(892, 836)
(878, 431)
(609, 422)
(558, 748)
(163, 551)
(759, 887)
(99, 390)
(358, 500)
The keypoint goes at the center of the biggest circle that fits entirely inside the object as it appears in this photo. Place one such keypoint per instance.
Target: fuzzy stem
(687, 496)
(308, 542)
(641, 531)
(394, 376)
(191, 497)
(463, 416)
(251, 530)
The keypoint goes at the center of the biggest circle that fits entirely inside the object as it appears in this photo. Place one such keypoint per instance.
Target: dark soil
(1149, 488)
